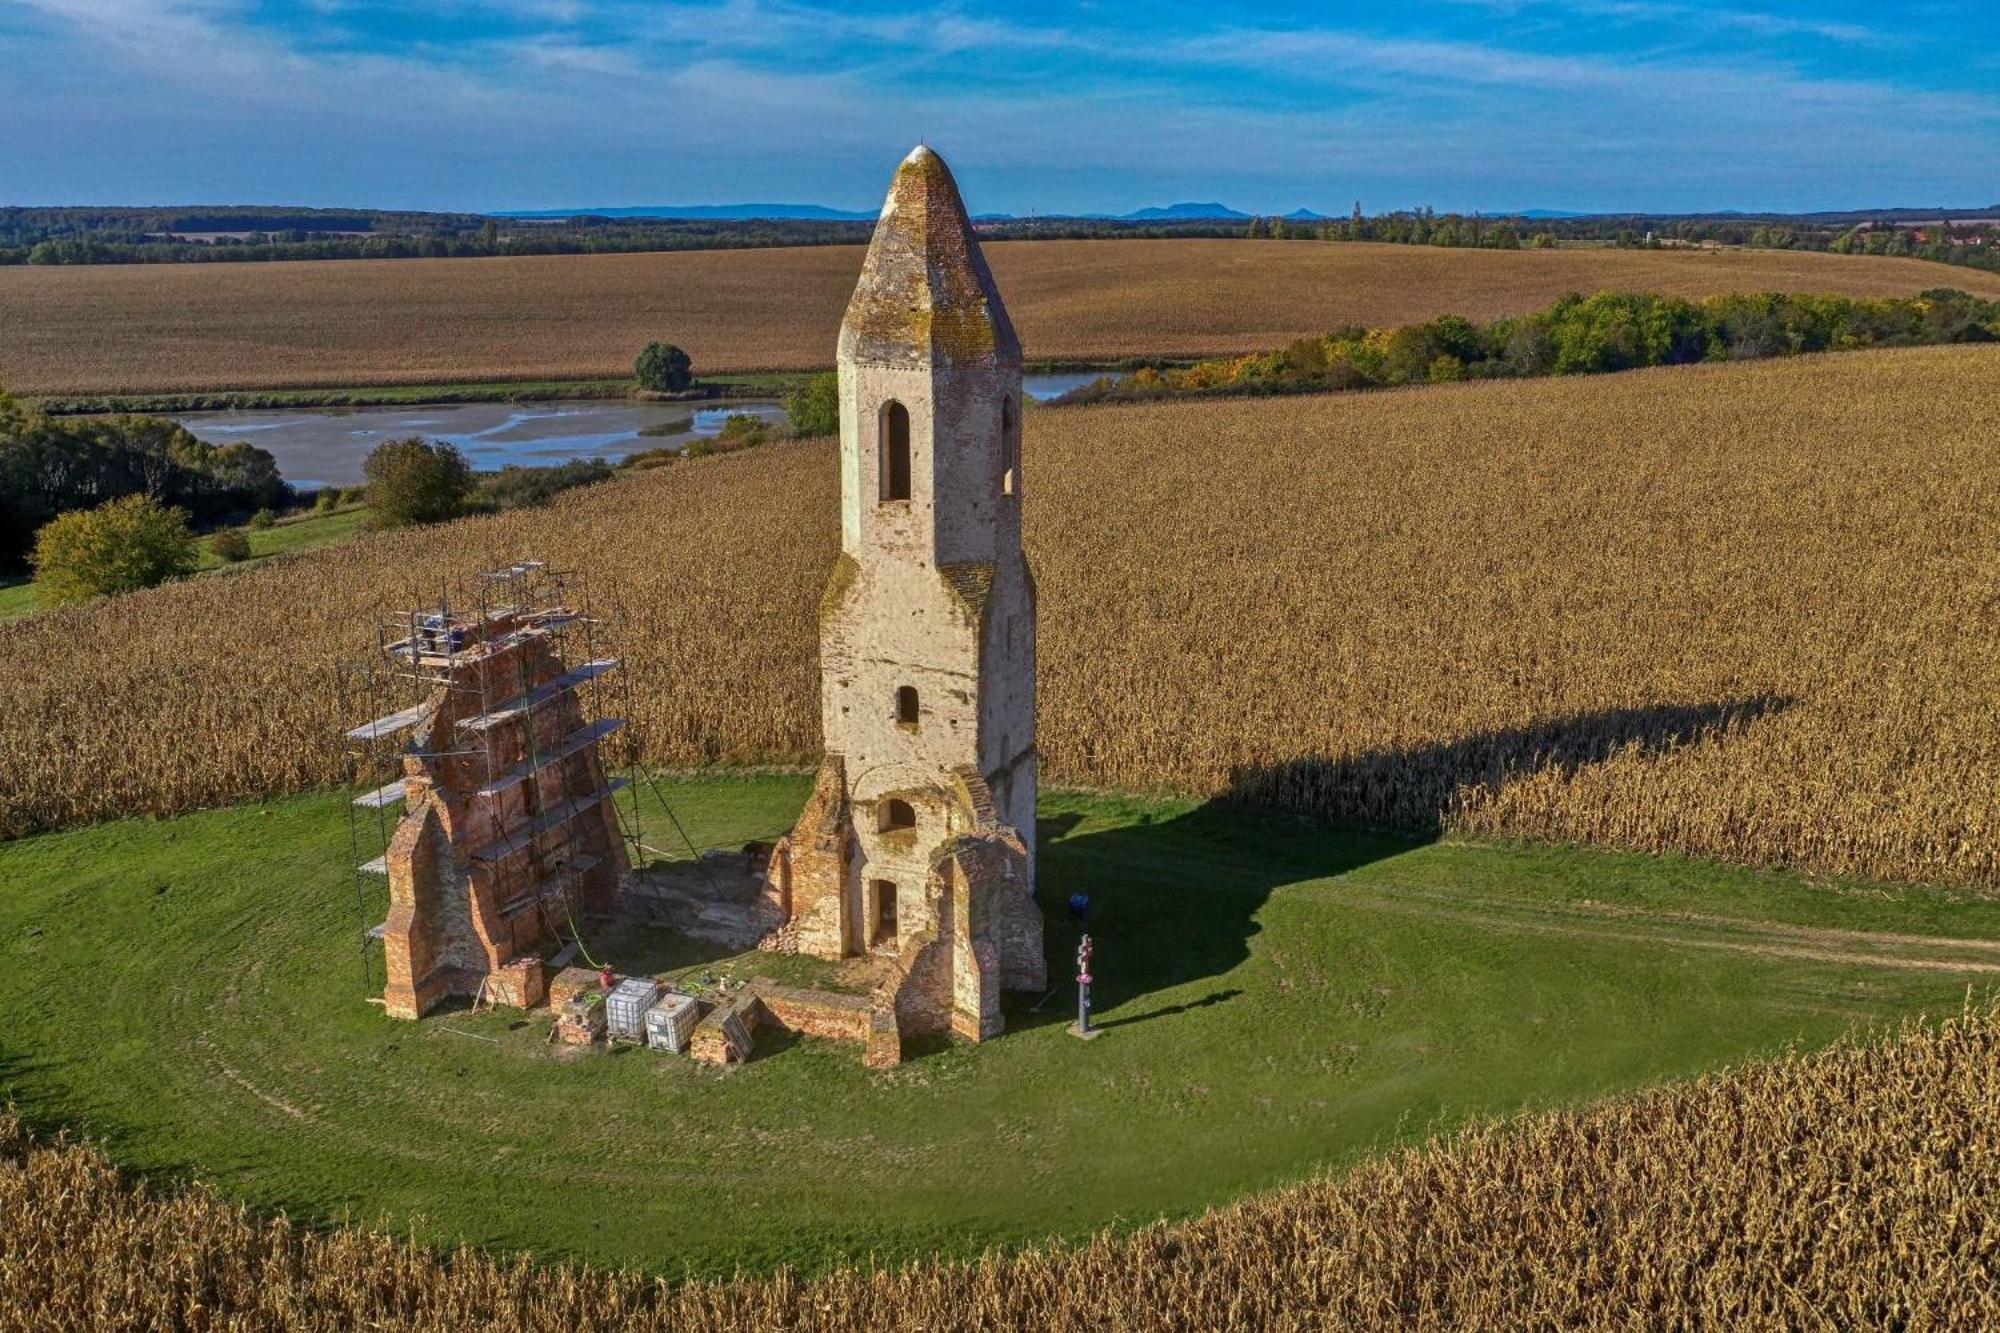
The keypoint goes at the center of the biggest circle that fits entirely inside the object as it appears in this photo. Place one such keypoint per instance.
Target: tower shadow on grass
(1175, 901)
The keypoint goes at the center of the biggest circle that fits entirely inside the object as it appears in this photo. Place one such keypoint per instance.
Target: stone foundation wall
(727, 1035)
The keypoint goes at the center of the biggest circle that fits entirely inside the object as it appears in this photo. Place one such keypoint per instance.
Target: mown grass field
(168, 327)
(1850, 1187)
(1745, 611)
(1276, 998)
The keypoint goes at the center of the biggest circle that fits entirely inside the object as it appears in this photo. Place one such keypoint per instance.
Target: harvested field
(1852, 1188)
(1744, 611)
(165, 327)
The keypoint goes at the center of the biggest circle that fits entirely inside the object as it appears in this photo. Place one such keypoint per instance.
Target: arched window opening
(1009, 465)
(906, 706)
(898, 814)
(895, 452)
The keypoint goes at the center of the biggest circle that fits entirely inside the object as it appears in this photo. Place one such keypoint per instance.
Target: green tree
(263, 520)
(122, 546)
(814, 406)
(663, 368)
(417, 481)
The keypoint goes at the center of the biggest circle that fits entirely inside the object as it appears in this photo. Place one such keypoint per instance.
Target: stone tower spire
(919, 841)
(925, 293)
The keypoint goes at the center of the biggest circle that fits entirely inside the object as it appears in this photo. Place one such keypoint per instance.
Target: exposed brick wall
(470, 893)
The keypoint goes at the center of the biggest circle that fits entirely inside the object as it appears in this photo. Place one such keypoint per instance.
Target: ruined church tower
(918, 843)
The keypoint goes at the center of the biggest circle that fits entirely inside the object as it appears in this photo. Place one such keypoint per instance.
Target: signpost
(1082, 1028)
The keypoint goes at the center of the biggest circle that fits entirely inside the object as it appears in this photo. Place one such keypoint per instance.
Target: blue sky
(1488, 104)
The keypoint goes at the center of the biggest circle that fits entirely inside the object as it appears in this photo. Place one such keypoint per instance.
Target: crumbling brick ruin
(509, 837)
(912, 846)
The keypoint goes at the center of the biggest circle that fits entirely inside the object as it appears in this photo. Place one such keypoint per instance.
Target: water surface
(325, 446)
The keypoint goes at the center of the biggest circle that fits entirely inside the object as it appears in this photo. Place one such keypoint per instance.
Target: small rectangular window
(884, 925)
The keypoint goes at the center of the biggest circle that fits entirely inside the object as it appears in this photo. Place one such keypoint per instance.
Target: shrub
(263, 520)
(520, 487)
(663, 368)
(417, 481)
(230, 545)
(745, 428)
(122, 546)
(327, 500)
(814, 407)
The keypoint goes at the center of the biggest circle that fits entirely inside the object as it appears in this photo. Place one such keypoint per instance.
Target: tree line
(1970, 241)
(50, 466)
(58, 236)
(1577, 335)
(252, 234)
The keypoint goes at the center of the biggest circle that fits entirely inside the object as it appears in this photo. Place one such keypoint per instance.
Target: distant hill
(1184, 213)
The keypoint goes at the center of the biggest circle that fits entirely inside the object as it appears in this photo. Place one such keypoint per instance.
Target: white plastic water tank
(670, 1023)
(625, 1006)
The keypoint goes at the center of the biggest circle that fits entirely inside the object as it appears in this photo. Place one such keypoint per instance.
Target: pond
(1054, 385)
(325, 446)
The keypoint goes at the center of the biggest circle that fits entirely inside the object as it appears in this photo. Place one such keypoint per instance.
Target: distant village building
(917, 844)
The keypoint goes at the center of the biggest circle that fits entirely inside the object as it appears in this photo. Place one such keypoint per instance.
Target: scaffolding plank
(502, 848)
(382, 796)
(522, 704)
(390, 725)
(555, 754)
(379, 866)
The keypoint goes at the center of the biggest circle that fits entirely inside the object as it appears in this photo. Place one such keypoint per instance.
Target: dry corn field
(1852, 1188)
(1746, 611)
(133, 328)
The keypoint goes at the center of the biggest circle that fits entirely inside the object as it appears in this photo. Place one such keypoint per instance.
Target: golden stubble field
(1850, 1188)
(1738, 610)
(162, 327)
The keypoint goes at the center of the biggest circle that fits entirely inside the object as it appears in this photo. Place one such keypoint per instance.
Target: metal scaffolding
(426, 649)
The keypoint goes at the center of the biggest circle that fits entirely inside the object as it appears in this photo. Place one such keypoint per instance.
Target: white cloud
(614, 101)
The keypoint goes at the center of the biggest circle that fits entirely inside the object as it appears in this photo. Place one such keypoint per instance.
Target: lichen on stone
(846, 569)
(971, 585)
(925, 292)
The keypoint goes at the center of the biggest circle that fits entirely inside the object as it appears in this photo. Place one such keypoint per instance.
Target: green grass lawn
(1277, 998)
(17, 599)
(301, 533)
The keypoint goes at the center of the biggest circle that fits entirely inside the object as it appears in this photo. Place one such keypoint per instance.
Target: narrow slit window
(906, 706)
(1009, 484)
(895, 452)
